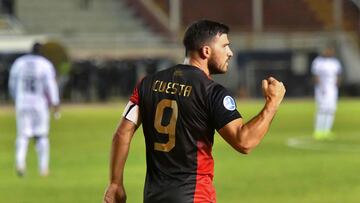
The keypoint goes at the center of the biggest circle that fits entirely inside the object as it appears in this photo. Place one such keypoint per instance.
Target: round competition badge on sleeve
(229, 103)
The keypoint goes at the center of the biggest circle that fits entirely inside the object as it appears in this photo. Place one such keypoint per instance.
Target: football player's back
(32, 75)
(177, 118)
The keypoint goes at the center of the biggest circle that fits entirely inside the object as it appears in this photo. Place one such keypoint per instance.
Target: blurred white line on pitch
(341, 144)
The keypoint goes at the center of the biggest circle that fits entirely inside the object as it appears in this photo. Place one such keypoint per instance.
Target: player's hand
(115, 194)
(57, 115)
(273, 91)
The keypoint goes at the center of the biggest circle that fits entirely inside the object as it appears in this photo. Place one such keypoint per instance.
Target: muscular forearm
(244, 137)
(119, 155)
(251, 133)
(119, 152)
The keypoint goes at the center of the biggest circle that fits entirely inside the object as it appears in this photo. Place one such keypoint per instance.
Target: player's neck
(202, 65)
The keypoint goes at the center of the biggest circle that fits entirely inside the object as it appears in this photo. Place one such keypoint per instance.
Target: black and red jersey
(180, 109)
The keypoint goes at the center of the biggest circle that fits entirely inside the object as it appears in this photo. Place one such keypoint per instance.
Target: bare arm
(115, 192)
(316, 79)
(338, 80)
(244, 137)
(56, 112)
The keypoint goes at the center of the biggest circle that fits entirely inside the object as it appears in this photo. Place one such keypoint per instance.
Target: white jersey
(32, 82)
(326, 69)
(33, 85)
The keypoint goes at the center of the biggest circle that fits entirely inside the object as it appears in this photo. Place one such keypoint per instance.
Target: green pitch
(310, 171)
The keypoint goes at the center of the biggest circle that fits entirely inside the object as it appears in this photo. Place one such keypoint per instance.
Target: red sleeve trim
(134, 98)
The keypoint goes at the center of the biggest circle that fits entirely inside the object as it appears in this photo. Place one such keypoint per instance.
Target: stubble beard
(215, 68)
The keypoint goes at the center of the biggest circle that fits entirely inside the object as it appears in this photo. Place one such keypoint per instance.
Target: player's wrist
(271, 106)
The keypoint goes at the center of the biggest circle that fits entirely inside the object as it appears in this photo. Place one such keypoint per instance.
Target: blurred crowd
(92, 80)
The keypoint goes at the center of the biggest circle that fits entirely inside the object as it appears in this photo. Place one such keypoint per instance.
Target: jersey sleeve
(338, 67)
(314, 66)
(132, 111)
(134, 98)
(51, 84)
(222, 107)
(13, 76)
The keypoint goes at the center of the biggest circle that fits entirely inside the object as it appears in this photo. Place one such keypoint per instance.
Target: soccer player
(326, 70)
(180, 108)
(32, 84)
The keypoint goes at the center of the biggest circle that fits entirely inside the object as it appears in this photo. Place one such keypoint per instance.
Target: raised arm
(244, 137)
(115, 192)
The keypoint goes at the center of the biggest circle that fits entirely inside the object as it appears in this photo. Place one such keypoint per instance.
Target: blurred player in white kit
(326, 70)
(32, 84)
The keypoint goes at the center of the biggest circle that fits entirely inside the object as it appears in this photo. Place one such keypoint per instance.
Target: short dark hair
(201, 32)
(36, 48)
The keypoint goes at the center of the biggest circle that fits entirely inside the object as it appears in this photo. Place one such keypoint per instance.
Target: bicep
(125, 130)
(130, 121)
(230, 132)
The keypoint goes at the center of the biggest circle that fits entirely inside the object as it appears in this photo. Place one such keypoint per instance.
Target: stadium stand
(268, 37)
(99, 28)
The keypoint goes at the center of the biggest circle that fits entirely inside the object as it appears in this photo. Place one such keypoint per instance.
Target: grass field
(322, 172)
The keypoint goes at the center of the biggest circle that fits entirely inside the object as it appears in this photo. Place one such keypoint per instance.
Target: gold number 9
(170, 128)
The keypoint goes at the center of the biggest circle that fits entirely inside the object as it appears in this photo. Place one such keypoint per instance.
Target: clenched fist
(273, 91)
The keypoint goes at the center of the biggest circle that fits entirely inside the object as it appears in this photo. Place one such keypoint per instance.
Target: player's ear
(205, 52)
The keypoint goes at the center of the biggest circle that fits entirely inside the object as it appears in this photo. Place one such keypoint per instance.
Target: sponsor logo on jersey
(229, 103)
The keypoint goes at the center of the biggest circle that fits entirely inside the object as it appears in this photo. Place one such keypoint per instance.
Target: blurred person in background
(326, 70)
(180, 108)
(32, 84)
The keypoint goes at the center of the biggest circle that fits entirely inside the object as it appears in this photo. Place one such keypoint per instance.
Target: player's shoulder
(215, 88)
(44, 63)
(197, 77)
(182, 74)
(21, 59)
(182, 70)
(42, 59)
(319, 59)
(335, 60)
(317, 63)
(192, 75)
(176, 71)
(33, 57)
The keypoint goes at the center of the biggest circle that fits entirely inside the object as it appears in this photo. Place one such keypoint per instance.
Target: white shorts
(326, 99)
(32, 122)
